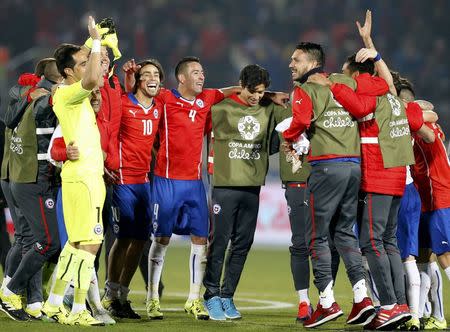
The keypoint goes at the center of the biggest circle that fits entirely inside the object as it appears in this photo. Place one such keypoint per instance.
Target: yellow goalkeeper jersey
(71, 104)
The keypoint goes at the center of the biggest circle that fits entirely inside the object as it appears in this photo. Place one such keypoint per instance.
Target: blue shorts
(131, 210)
(179, 207)
(408, 222)
(436, 228)
(63, 237)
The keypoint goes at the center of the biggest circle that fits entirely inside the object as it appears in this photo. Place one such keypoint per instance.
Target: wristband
(96, 46)
(377, 58)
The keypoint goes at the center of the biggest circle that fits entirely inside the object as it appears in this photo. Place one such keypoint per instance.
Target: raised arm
(380, 66)
(93, 72)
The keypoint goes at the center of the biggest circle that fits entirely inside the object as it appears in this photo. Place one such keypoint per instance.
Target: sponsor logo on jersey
(39, 246)
(155, 113)
(249, 127)
(216, 208)
(133, 112)
(98, 229)
(395, 104)
(200, 103)
(49, 203)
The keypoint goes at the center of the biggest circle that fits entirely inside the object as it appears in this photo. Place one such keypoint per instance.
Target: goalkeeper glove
(101, 31)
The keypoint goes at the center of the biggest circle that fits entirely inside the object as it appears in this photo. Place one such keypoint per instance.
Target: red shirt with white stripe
(138, 128)
(181, 133)
(431, 172)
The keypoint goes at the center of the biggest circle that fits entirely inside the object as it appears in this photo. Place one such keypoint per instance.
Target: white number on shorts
(148, 127)
(192, 114)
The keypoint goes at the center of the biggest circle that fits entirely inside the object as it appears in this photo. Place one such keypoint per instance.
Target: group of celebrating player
(354, 197)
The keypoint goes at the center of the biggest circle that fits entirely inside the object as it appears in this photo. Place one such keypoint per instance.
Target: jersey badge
(155, 113)
(200, 103)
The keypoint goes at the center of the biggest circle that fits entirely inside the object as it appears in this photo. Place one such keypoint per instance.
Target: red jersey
(431, 172)
(138, 128)
(108, 120)
(181, 133)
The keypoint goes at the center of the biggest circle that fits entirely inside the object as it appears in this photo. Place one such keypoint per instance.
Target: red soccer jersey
(431, 172)
(181, 133)
(138, 128)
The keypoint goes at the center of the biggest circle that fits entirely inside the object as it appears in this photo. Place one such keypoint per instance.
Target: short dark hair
(64, 57)
(367, 66)
(402, 83)
(40, 66)
(314, 51)
(253, 75)
(182, 64)
(144, 63)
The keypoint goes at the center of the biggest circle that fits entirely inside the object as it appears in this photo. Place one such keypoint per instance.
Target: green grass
(266, 277)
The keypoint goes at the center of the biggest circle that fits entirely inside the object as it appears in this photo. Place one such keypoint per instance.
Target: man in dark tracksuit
(297, 198)
(34, 191)
(242, 129)
(20, 97)
(333, 183)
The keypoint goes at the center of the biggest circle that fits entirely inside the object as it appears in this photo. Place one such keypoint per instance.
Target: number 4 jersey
(182, 129)
(138, 129)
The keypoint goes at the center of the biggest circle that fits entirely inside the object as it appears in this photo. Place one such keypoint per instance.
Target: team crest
(98, 229)
(289, 210)
(249, 127)
(155, 113)
(49, 203)
(200, 103)
(216, 208)
(116, 229)
(155, 226)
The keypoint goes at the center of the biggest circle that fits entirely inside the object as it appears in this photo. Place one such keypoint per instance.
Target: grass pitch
(265, 297)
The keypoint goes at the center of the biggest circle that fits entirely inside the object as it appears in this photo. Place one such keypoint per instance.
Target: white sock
(155, 265)
(197, 266)
(436, 290)
(111, 290)
(5, 282)
(359, 291)
(55, 300)
(326, 298)
(77, 307)
(124, 291)
(413, 287)
(303, 296)
(34, 306)
(425, 284)
(7, 292)
(447, 272)
(93, 294)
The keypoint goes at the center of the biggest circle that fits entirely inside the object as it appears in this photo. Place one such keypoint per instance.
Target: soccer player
(383, 120)
(33, 190)
(178, 190)
(333, 183)
(431, 174)
(59, 153)
(141, 114)
(83, 189)
(242, 126)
